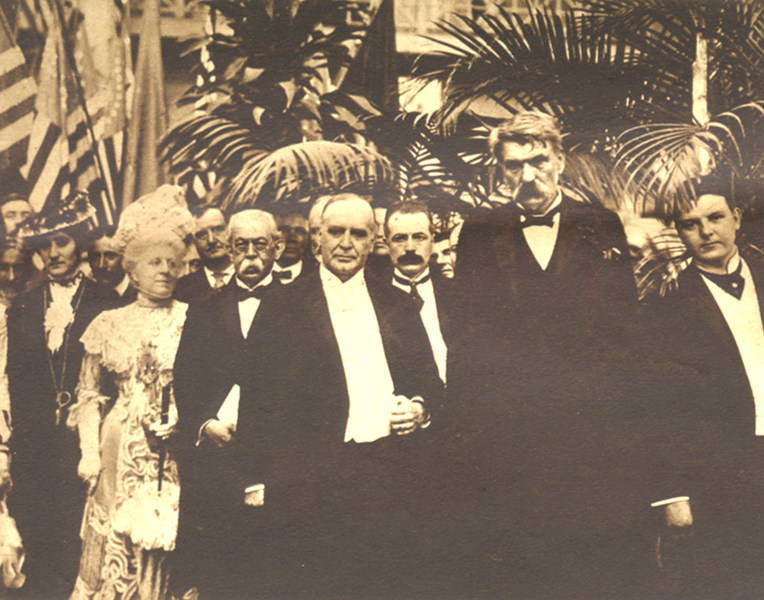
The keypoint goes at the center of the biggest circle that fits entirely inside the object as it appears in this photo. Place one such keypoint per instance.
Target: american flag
(17, 96)
(80, 111)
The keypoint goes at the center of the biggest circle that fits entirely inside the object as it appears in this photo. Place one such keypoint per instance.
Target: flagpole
(88, 121)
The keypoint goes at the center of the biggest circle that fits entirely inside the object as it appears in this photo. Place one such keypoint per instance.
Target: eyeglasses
(241, 246)
(204, 235)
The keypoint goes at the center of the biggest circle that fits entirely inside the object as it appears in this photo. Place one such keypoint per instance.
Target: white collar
(229, 270)
(331, 281)
(122, 286)
(419, 277)
(295, 268)
(267, 280)
(552, 206)
(731, 266)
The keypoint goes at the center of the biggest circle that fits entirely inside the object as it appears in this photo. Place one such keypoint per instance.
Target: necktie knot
(245, 294)
(414, 293)
(284, 275)
(527, 220)
(219, 280)
(732, 283)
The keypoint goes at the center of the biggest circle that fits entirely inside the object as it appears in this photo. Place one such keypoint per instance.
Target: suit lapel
(700, 301)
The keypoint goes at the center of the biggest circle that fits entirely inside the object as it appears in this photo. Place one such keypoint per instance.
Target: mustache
(410, 259)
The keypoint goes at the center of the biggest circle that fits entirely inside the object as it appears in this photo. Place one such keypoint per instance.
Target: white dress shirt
(122, 286)
(228, 413)
(429, 315)
(743, 317)
(367, 374)
(541, 239)
(210, 275)
(294, 269)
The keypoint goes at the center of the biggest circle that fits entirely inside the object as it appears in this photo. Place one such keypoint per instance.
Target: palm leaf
(296, 172)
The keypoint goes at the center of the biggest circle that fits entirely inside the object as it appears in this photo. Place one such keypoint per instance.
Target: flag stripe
(15, 132)
(14, 155)
(12, 76)
(11, 59)
(14, 114)
(41, 156)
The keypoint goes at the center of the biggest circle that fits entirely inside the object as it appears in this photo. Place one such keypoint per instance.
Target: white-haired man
(218, 342)
(329, 419)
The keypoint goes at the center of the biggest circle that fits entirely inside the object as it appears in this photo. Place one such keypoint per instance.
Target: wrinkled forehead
(251, 229)
(408, 223)
(350, 213)
(525, 149)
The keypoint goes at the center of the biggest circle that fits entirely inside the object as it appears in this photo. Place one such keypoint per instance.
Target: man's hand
(220, 433)
(89, 469)
(407, 416)
(671, 549)
(678, 514)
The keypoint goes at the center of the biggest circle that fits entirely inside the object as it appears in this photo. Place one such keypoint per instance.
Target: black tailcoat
(704, 443)
(48, 497)
(535, 419)
(336, 507)
(210, 359)
(193, 287)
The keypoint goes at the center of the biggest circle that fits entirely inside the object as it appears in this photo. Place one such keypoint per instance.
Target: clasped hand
(407, 415)
(163, 431)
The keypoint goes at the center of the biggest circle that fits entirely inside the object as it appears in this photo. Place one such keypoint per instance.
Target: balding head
(347, 234)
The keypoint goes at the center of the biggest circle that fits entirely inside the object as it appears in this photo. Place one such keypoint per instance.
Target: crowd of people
(338, 403)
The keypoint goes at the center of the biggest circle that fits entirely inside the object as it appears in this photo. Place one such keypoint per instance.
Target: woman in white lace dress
(131, 514)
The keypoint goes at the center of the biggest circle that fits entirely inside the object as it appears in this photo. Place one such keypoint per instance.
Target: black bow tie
(414, 293)
(547, 219)
(67, 283)
(732, 283)
(282, 275)
(245, 294)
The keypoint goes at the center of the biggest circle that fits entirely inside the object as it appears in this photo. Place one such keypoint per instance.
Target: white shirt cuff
(669, 501)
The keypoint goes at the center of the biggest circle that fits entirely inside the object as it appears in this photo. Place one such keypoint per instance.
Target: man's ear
(280, 245)
(738, 214)
(561, 158)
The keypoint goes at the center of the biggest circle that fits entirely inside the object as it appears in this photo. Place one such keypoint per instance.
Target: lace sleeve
(88, 391)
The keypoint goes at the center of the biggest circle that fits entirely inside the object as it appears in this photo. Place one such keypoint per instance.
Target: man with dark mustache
(211, 239)
(408, 231)
(536, 419)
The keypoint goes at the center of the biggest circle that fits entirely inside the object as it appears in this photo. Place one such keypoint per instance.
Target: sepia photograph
(381, 299)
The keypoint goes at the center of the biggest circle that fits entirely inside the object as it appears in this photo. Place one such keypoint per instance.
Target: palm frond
(295, 172)
(558, 63)
(662, 259)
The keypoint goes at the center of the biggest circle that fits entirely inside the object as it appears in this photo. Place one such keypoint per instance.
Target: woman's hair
(150, 238)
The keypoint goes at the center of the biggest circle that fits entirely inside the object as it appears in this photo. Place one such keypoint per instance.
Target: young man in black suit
(44, 356)
(534, 415)
(408, 231)
(707, 340)
(218, 342)
(329, 424)
(211, 239)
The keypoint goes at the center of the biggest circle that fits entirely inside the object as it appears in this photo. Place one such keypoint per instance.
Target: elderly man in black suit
(217, 344)
(329, 423)
(211, 239)
(535, 422)
(408, 231)
(44, 356)
(707, 339)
